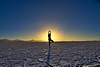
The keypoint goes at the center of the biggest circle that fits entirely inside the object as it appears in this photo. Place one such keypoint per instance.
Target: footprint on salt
(32, 54)
(40, 59)
(45, 49)
(98, 58)
(23, 53)
(29, 59)
(63, 62)
(46, 53)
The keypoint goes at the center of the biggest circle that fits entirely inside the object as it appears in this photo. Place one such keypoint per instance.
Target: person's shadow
(48, 59)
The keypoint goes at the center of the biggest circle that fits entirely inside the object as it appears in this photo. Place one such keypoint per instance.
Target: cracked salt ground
(28, 54)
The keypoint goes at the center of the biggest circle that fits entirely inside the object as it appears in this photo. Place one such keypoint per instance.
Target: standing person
(49, 37)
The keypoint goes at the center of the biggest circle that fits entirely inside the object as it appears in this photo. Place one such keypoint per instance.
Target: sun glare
(44, 35)
(56, 33)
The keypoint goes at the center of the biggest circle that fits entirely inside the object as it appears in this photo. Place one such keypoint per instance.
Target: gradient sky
(71, 20)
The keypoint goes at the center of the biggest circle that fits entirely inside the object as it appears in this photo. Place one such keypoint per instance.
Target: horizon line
(32, 40)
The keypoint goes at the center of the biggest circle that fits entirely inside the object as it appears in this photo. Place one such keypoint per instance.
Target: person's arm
(49, 32)
(48, 35)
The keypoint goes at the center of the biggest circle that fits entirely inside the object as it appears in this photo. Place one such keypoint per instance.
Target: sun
(56, 33)
(53, 35)
(44, 35)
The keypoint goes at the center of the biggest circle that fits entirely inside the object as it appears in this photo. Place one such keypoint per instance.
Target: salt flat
(30, 54)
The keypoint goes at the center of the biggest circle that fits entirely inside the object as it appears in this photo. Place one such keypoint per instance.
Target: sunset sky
(68, 20)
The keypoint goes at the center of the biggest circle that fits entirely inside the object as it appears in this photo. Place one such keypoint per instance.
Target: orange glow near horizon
(57, 34)
(42, 34)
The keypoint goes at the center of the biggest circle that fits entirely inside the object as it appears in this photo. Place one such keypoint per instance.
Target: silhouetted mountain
(4, 40)
(7, 40)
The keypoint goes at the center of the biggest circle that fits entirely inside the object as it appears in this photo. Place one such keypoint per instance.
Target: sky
(68, 20)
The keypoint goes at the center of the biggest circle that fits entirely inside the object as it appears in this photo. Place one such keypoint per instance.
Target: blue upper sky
(26, 19)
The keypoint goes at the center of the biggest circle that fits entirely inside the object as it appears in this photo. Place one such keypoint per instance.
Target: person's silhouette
(49, 37)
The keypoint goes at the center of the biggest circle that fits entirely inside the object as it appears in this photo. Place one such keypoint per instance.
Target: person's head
(49, 31)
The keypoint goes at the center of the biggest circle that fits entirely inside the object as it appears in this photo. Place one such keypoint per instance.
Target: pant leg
(49, 43)
(52, 40)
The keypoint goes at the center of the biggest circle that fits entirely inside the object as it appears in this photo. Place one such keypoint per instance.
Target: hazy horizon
(32, 40)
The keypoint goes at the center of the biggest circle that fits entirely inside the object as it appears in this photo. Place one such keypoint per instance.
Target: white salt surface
(70, 54)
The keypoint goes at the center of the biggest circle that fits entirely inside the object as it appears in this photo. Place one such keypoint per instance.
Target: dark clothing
(49, 37)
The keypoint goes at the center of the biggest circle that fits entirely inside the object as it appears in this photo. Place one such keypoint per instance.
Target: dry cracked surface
(29, 54)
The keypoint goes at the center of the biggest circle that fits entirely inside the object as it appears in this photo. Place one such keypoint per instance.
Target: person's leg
(52, 40)
(49, 43)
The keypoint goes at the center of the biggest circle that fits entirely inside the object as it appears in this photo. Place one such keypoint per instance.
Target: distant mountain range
(7, 40)
(18, 40)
